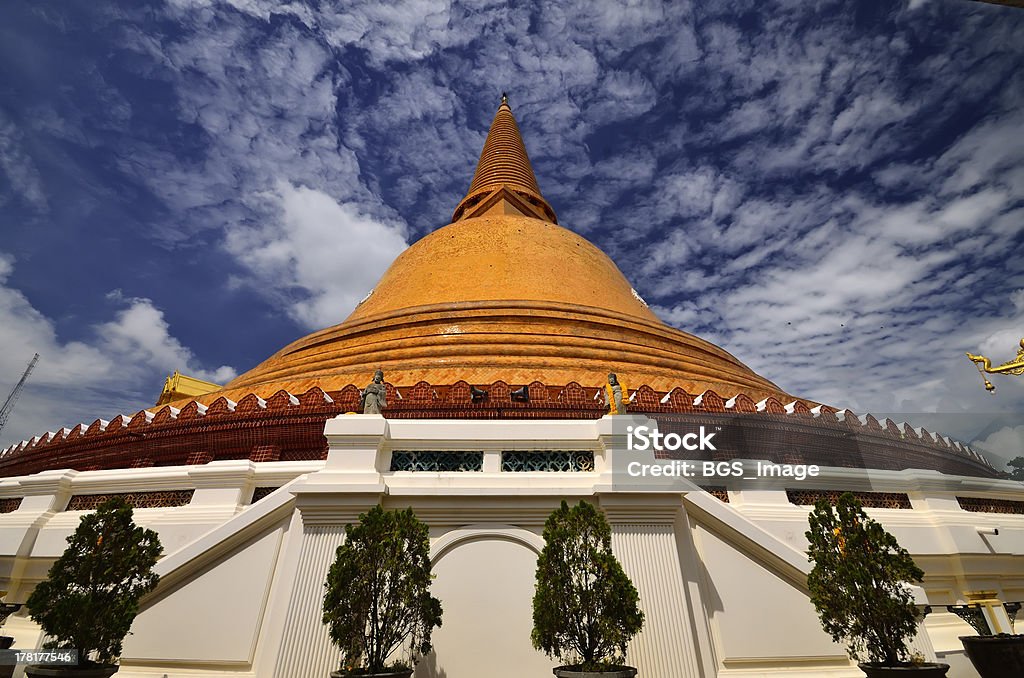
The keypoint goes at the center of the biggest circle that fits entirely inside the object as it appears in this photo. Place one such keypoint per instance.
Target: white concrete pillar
(644, 540)
(328, 500)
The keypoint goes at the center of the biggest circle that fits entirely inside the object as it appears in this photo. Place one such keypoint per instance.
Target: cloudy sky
(832, 191)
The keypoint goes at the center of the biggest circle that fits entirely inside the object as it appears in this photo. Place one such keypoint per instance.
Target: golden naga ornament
(1015, 366)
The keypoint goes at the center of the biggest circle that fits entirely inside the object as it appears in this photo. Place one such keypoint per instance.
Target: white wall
(720, 583)
(485, 585)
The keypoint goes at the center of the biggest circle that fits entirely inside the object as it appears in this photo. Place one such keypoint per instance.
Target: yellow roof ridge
(178, 386)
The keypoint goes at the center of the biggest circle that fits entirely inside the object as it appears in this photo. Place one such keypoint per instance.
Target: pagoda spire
(504, 178)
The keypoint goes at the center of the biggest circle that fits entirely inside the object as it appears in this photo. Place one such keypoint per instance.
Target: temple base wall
(721, 577)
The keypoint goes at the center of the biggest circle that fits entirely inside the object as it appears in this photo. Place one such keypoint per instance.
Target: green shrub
(378, 592)
(91, 595)
(858, 583)
(585, 609)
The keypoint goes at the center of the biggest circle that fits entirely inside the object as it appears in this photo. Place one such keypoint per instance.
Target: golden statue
(1015, 366)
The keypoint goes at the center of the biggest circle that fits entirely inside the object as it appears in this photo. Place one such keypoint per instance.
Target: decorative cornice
(646, 508)
(327, 504)
(293, 427)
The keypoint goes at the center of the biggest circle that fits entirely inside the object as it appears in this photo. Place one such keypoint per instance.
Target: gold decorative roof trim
(178, 386)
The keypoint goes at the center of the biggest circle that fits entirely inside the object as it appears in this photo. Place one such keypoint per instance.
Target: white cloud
(1003, 445)
(140, 333)
(988, 153)
(1017, 299)
(404, 30)
(812, 277)
(682, 315)
(17, 166)
(321, 258)
(119, 367)
(622, 95)
(867, 305)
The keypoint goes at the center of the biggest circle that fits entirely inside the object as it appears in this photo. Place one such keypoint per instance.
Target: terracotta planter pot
(996, 656)
(70, 672)
(573, 672)
(906, 671)
(388, 674)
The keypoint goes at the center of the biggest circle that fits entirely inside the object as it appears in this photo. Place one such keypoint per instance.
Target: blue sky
(832, 191)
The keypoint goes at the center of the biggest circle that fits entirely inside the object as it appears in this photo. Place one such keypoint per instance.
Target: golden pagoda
(503, 293)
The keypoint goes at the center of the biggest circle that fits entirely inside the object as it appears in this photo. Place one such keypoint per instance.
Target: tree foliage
(378, 591)
(1016, 468)
(91, 595)
(585, 609)
(858, 583)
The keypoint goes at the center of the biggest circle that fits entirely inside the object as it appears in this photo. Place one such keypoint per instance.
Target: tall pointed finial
(504, 166)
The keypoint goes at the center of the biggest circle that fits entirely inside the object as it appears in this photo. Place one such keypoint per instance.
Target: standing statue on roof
(613, 395)
(374, 397)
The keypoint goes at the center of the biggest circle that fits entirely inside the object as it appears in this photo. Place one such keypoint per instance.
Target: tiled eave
(290, 427)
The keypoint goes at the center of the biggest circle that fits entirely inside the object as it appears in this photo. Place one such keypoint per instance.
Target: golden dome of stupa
(502, 293)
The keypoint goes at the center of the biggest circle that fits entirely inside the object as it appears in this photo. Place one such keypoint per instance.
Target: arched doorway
(485, 581)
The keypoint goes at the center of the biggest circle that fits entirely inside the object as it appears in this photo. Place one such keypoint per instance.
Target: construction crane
(13, 398)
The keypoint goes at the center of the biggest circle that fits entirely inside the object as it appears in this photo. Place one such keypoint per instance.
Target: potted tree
(994, 654)
(91, 594)
(6, 610)
(858, 587)
(585, 609)
(377, 601)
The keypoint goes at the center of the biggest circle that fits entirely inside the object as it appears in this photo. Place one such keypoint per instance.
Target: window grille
(574, 461)
(895, 500)
(436, 462)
